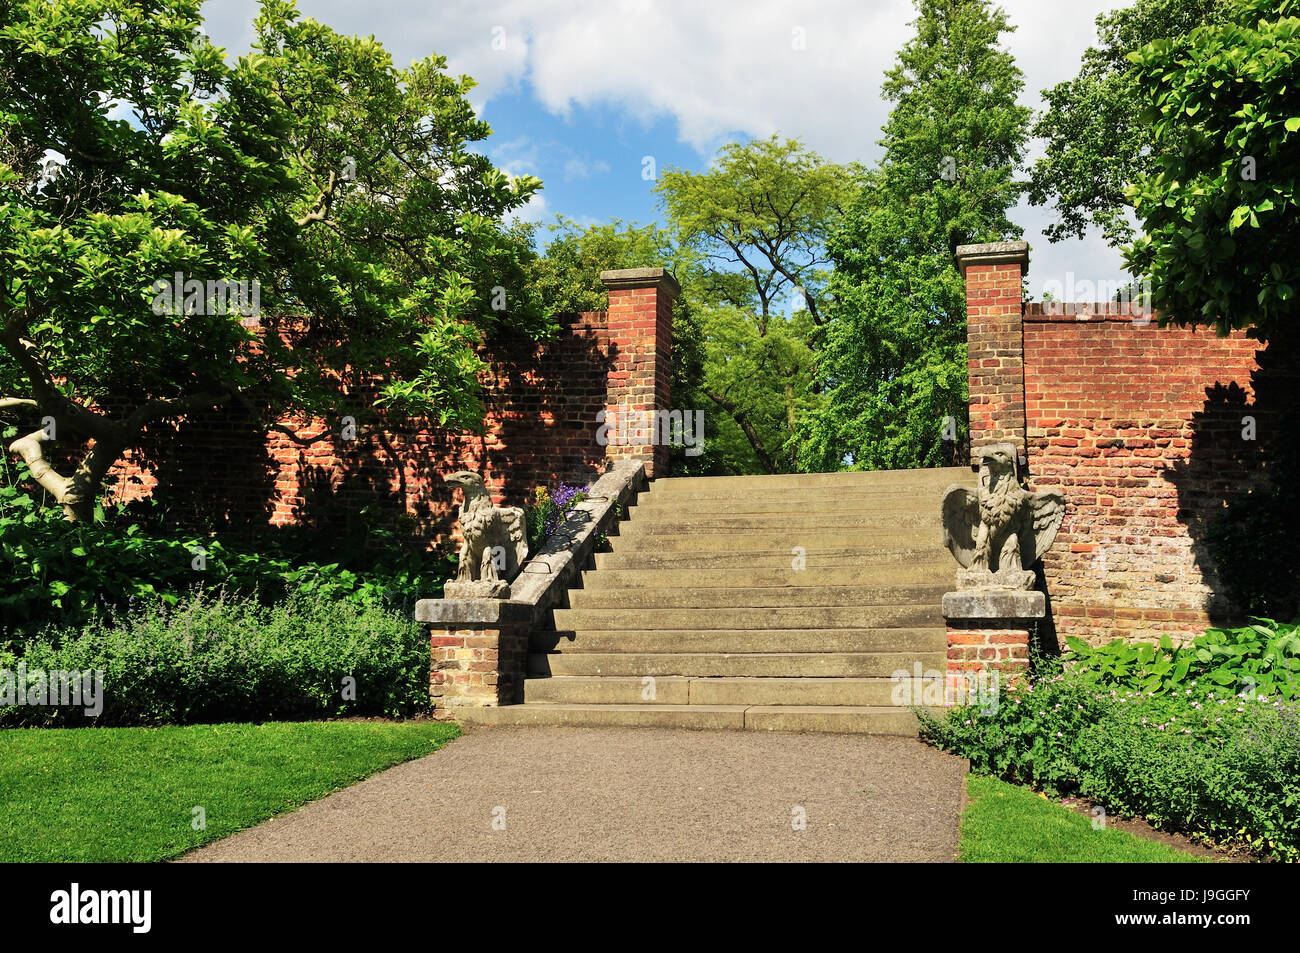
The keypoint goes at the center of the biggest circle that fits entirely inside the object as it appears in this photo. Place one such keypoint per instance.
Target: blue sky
(579, 92)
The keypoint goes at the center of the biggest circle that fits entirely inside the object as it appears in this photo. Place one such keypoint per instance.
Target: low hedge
(1199, 760)
(217, 657)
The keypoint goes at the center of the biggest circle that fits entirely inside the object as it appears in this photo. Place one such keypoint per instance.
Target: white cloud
(516, 156)
(534, 210)
(719, 69)
(577, 168)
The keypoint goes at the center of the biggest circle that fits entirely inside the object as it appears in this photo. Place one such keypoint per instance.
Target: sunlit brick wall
(543, 405)
(1145, 429)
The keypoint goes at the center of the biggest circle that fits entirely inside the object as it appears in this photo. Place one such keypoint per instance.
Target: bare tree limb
(168, 407)
(320, 211)
(29, 448)
(747, 427)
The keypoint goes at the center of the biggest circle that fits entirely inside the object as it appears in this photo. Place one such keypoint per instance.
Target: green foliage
(548, 511)
(567, 278)
(1261, 659)
(758, 219)
(1191, 750)
(348, 189)
(894, 361)
(54, 571)
(1219, 208)
(215, 657)
(746, 244)
(567, 275)
(1096, 143)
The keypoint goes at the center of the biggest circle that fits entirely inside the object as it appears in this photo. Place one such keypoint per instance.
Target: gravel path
(631, 794)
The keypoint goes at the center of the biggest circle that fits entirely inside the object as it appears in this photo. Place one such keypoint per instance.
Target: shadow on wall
(216, 471)
(1237, 491)
(213, 471)
(542, 404)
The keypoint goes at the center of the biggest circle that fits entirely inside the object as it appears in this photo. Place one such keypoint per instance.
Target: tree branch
(742, 421)
(29, 448)
(320, 211)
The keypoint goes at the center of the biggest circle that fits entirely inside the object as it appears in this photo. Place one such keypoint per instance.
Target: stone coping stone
(641, 278)
(553, 570)
(994, 604)
(993, 253)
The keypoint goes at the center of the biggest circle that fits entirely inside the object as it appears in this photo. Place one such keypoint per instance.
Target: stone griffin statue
(495, 546)
(998, 533)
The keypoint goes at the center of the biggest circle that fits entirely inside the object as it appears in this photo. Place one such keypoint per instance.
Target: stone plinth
(478, 651)
(990, 630)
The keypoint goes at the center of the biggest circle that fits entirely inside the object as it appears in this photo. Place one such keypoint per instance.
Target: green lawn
(129, 794)
(1005, 823)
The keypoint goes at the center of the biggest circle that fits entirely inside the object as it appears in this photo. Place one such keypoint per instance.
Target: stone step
(860, 541)
(670, 524)
(843, 719)
(715, 641)
(801, 617)
(650, 506)
(874, 480)
(781, 559)
(678, 690)
(938, 572)
(736, 665)
(756, 597)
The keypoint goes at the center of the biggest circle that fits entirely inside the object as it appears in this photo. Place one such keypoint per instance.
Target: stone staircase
(764, 602)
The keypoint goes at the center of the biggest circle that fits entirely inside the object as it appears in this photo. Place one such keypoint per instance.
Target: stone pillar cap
(992, 253)
(1004, 604)
(641, 278)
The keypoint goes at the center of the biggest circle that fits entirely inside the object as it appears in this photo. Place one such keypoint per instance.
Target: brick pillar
(640, 322)
(995, 348)
(478, 652)
(476, 667)
(989, 632)
(974, 648)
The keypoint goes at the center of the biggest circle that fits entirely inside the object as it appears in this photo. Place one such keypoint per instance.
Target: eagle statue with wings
(1000, 531)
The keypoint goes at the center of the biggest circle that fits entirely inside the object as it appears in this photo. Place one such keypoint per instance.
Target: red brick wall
(221, 468)
(1140, 426)
(641, 320)
(1118, 415)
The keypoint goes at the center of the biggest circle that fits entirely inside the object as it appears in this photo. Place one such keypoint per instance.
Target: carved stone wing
(961, 518)
(517, 528)
(1048, 509)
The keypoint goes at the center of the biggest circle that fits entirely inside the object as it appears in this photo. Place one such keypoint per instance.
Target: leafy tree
(1096, 142)
(894, 363)
(1219, 209)
(342, 188)
(759, 219)
(567, 274)
(567, 278)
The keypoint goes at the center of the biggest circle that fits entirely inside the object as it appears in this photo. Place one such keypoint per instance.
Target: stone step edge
(794, 718)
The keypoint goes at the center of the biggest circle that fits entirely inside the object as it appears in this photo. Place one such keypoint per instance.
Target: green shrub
(56, 572)
(216, 657)
(1263, 658)
(1198, 759)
